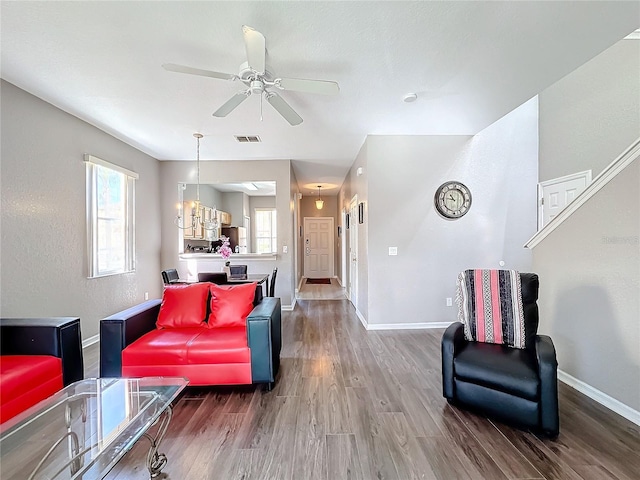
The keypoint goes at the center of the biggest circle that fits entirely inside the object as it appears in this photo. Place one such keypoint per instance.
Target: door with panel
(318, 247)
(556, 194)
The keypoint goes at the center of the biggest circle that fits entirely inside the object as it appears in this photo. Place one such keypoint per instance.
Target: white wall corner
(362, 319)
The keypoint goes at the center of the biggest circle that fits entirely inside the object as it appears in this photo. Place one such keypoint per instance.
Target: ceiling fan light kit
(258, 80)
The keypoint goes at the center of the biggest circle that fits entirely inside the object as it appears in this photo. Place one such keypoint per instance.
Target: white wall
(499, 165)
(590, 266)
(174, 172)
(44, 254)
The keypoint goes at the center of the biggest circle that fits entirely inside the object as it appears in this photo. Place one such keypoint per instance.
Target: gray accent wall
(398, 183)
(589, 271)
(590, 265)
(44, 244)
(592, 115)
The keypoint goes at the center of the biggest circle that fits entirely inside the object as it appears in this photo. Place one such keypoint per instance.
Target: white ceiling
(469, 62)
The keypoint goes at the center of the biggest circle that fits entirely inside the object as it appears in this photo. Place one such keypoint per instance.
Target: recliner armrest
(57, 336)
(120, 330)
(548, 371)
(265, 339)
(452, 340)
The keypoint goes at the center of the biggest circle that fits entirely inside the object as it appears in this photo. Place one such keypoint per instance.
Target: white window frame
(273, 238)
(129, 177)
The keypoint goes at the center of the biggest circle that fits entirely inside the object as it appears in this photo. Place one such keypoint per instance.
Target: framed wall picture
(361, 212)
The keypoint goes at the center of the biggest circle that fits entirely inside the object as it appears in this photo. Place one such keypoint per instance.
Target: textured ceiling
(469, 62)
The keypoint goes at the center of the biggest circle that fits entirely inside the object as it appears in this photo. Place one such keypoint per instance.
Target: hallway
(321, 292)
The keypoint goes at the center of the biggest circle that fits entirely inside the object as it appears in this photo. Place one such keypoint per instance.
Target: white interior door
(558, 193)
(353, 251)
(318, 247)
(344, 260)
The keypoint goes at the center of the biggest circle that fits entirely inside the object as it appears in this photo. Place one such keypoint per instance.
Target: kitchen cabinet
(224, 218)
(206, 214)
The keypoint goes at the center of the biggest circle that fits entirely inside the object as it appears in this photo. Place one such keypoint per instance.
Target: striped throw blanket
(490, 306)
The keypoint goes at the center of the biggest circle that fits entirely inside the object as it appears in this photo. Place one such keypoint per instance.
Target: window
(110, 218)
(266, 237)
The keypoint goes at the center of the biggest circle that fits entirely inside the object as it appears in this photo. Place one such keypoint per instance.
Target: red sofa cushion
(25, 380)
(166, 347)
(220, 345)
(183, 306)
(231, 304)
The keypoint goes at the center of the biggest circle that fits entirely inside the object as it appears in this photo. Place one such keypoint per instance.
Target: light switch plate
(393, 250)
(285, 249)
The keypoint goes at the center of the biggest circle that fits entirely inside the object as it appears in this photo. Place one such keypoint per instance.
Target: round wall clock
(452, 200)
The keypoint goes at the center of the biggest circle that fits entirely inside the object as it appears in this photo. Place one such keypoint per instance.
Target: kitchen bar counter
(235, 257)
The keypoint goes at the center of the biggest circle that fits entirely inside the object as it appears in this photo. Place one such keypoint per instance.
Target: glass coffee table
(86, 428)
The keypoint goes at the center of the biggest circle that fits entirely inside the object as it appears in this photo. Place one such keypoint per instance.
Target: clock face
(452, 200)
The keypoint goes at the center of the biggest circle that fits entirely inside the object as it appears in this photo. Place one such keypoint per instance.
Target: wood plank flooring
(352, 404)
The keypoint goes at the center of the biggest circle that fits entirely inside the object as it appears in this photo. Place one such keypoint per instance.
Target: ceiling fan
(254, 74)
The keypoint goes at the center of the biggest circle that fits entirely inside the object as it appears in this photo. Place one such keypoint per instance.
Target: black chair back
(238, 269)
(272, 283)
(219, 278)
(169, 276)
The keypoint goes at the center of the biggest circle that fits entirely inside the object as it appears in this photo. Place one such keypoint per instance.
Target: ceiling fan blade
(230, 104)
(256, 49)
(283, 108)
(322, 87)
(172, 67)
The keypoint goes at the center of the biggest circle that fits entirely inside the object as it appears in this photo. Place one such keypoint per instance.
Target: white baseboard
(91, 340)
(289, 308)
(361, 317)
(600, 397)
(407, 326)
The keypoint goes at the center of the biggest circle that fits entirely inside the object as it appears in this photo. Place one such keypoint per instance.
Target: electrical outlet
(449, 302)
(146, 295)
(393, 250)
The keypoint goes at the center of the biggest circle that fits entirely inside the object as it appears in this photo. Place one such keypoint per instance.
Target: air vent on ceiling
(247, 138)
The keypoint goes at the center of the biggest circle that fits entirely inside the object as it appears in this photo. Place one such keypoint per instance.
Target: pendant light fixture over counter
(319, 201)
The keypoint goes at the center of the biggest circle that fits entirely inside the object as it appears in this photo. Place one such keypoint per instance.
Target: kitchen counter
(234, 256)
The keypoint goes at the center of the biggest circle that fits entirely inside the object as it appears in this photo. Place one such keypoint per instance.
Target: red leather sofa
(39, 357)
(210, 334)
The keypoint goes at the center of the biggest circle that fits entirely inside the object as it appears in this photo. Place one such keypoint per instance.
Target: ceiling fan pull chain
(261, 96)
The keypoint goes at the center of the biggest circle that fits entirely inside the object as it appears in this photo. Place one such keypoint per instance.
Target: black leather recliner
(517, 386)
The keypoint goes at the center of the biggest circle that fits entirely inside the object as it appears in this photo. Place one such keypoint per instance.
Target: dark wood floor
(351, 404)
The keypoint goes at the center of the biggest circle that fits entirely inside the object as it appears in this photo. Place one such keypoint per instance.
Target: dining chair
(219, 278)
(170, 276)
(272, 284)
(238, 269)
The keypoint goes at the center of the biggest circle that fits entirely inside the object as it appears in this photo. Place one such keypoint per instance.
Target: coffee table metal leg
(157, 461)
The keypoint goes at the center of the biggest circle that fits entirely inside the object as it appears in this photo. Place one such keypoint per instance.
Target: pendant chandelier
(198, 217)
(319, 201)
